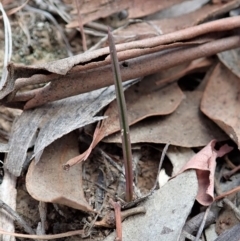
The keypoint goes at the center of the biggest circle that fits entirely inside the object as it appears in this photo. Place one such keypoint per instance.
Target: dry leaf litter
(180, 66)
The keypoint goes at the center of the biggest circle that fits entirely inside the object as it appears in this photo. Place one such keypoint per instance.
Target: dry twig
(16, 217)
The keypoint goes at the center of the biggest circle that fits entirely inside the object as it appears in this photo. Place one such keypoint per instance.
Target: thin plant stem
(123, 119)
(200, 230)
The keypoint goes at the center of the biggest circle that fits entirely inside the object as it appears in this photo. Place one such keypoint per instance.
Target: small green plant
(123, 119)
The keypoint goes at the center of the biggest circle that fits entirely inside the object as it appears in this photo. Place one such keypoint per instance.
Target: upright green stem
(123, 119)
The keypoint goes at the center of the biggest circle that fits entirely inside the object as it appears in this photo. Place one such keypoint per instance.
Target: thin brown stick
(225, 194)
(45, 237)
(117, 209)
(228, 202)
(221, 25)
(228, 162)
(160, 166)
(76, 83)
(94, 220)
(184, 34)
(137, 48)
(232, 172)
(42, 206)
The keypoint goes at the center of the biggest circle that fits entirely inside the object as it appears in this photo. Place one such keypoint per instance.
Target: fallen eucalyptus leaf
(143, 100)
(221, 101)
(47, 181)
(186, 126)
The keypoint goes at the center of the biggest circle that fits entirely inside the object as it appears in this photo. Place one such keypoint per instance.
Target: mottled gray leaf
(166, 212)
(54, 120)
(231, 59)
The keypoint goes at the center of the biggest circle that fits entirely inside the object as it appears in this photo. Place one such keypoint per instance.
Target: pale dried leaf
(166, 212)
(8, 195)
(179, 156)
(47, 181)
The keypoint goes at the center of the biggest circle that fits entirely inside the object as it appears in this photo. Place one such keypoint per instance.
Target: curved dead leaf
(47, 181)
(221, 101)
(205, 163)
(83, 157)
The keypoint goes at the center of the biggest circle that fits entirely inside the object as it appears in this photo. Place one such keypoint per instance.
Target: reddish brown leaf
(205, 163)
(83, 157)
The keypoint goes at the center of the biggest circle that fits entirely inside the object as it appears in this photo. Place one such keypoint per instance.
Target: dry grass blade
(123, 118)
(44, 237)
